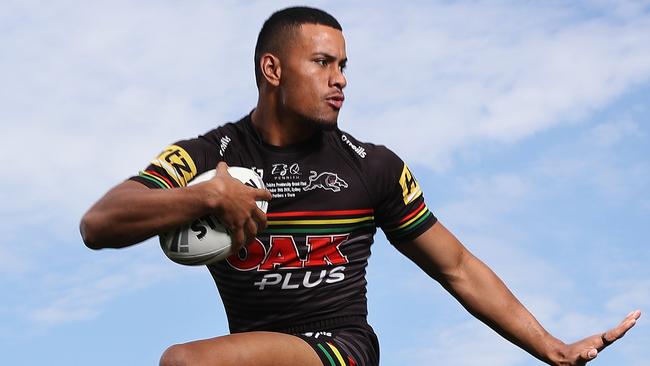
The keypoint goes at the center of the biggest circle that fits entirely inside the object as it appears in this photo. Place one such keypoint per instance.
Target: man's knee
(176, 355)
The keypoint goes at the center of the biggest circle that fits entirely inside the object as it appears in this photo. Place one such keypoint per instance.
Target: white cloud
(83, 294)
(631, 294)
(612, 133)
(465, 344)
(484, 198)
(12, 263)
(437, 82)
(595, 161)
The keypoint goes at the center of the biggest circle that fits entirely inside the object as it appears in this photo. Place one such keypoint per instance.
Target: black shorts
(349, 345)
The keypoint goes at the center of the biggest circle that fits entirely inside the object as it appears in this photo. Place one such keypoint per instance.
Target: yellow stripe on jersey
(422, 212)
(337, 353)
(320, 222)
(177, 163)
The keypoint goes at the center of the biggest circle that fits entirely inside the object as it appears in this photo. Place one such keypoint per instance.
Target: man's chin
(322, 124)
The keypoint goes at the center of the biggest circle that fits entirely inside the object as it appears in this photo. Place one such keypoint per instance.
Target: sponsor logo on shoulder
(177, 163)
(410, 187)
(325, 180)
(357, 149)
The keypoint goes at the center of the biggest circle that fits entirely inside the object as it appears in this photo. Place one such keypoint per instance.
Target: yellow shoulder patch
(410, 187)
(177, 163)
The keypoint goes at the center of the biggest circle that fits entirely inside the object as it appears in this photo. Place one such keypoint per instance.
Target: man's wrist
(207, 200)
(556, 352)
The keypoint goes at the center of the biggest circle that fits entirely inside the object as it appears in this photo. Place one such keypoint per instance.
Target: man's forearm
(484, 295)
(131, 213)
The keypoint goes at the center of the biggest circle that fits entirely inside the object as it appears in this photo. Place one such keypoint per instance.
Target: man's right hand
(235, 205)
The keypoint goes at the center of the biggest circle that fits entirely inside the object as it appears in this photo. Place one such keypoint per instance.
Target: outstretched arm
(486, 297)
(130, 212)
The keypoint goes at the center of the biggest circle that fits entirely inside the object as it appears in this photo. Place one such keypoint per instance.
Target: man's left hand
(581, 352)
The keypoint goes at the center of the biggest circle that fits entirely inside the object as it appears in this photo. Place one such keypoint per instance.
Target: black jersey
(330, 194)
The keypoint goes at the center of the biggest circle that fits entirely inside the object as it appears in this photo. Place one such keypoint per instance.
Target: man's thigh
(243, 349)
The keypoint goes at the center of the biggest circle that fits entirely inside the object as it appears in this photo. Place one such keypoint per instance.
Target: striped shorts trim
(350, 346)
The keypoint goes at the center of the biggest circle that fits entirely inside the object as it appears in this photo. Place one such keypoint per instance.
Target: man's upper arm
(398, 202)
(436, 251)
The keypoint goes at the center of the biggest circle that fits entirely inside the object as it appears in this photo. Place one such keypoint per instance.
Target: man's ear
(271, 69)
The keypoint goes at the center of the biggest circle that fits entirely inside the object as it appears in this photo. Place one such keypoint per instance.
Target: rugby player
(295, 290)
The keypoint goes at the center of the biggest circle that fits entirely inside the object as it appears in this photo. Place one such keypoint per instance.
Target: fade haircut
(281, 26)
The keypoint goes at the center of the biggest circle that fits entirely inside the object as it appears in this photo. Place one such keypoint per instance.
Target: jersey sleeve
(400, 210)
(178, 164)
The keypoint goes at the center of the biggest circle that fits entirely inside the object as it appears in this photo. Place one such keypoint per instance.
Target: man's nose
(338, 79)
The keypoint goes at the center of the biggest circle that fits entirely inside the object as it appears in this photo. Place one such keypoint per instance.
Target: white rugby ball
(204, 240)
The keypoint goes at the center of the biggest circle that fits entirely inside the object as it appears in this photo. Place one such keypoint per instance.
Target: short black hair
(277, 30)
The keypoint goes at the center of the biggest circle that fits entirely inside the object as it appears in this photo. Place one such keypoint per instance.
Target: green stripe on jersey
(411, 227)
(156, 181)
(327, 354)
(329, 230)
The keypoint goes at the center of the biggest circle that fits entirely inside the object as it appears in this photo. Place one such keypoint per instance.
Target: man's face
(312, 80)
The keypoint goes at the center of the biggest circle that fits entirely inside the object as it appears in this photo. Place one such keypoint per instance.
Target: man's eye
(322, 62)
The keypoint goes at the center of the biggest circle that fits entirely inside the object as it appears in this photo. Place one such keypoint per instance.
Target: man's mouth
(336, 101)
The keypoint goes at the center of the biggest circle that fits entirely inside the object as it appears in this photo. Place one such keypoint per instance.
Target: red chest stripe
(365, 211)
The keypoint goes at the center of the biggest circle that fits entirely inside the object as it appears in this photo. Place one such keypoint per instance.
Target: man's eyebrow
(329, 57)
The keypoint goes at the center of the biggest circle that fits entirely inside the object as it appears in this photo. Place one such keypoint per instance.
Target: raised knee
(176, 355)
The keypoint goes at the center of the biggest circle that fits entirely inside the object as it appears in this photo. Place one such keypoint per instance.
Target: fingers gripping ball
(204, 240)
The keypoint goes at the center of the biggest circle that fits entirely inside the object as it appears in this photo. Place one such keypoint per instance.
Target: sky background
(525, 122)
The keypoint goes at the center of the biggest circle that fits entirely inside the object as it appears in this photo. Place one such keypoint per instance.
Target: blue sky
(525, 122)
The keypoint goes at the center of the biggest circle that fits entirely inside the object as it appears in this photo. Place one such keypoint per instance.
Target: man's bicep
(129, 184)
(113, 197)
(436, 251)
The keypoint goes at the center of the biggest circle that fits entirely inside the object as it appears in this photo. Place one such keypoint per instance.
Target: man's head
(300, 56)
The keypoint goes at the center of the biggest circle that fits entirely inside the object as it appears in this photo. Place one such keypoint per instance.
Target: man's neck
(279, 130)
